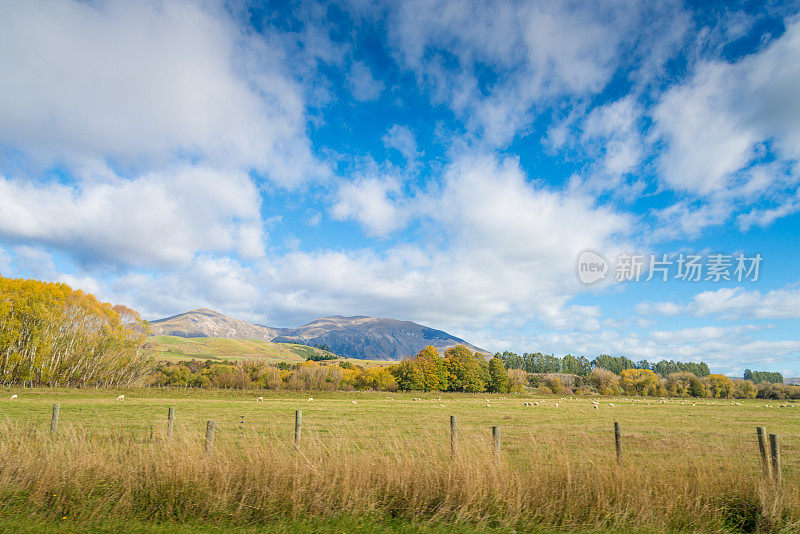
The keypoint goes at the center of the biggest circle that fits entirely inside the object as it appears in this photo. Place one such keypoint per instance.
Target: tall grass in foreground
(252, 479)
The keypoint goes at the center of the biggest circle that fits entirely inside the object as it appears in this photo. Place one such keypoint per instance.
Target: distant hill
(203, 322)
(372, 338)
(792, 381)
(352, 337)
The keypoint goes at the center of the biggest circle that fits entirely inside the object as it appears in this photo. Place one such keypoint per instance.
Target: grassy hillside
(173, 348)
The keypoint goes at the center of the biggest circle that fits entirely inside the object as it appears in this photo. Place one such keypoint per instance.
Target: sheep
(310, 399)
(442, 405)
(121, 398)
(260, 399)
(536, 404)
(14, 396)
(556, 405)
(595, 407)
(611, 404)
(488, 405)
(416, 399)
(354, 402)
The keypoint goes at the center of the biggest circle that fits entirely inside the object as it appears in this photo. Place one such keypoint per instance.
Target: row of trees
(52, 335)
(763, 376)
(685, 384)
(309, 375)
(457, 370)
(581, 366)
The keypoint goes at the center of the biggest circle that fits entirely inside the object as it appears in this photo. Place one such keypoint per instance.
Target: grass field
(687, 465)
(173, 349)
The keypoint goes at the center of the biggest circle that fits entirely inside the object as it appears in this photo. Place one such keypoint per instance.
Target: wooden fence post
(298, 426)
(775, 453)
(618, 442)
(496, 438)
(210, 427)
(453, 436)
(170, 421)
(761, 432)
(54, 419)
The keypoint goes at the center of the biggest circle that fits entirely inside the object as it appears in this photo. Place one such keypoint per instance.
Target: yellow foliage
(52, 335)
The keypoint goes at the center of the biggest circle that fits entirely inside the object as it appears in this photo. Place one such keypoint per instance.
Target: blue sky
(441, 162)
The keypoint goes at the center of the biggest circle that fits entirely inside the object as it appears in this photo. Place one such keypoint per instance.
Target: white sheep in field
(556, 405)
(442, 405)
(536, 404)
(611, 404)
(355, 402)
(260, 399)
(416, 399)
(595, 407)
(14, 396)
(488, 405)
(121, 398)
(310, 399)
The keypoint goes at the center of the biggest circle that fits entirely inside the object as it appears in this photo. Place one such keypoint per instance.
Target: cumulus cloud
(144, 83)
(159, 218)
(735, 303)
(726, 116)
(505, 245)
(376, 203)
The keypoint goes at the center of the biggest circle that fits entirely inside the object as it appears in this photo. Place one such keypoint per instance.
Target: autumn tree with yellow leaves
(53, 335)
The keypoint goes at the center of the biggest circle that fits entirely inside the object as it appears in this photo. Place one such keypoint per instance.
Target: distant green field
(174, 348)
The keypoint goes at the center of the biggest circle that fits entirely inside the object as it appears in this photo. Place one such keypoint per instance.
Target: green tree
(498, 376)
(465, 371)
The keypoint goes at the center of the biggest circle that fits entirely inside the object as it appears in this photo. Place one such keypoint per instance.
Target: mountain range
(352, 337)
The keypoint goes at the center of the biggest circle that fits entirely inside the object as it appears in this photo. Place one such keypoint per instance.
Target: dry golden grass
(559, 480)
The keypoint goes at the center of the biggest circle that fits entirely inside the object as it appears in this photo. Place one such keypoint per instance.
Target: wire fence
(551, 437)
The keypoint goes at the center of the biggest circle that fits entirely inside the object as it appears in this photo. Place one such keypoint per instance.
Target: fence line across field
(766, 445)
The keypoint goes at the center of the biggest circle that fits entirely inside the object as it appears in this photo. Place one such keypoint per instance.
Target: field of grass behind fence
(685, 467)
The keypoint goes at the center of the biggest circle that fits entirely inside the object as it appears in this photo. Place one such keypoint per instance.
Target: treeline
(253, 373)
(581, 366)
(457, 370)
(763, 376)
(51, 335)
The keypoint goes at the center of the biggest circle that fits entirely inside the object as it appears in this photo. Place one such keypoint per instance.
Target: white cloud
(499, 244)
(374, 202)
(145, 83)
(535, 53)
(401, 138)
(161, 218)
(613, 132)
(724, 117)
(734, 303)
(362, 84)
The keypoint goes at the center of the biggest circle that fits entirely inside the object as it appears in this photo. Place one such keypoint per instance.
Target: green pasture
(653, 429)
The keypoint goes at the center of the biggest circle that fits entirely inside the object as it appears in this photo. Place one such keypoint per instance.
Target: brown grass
(545, 481)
